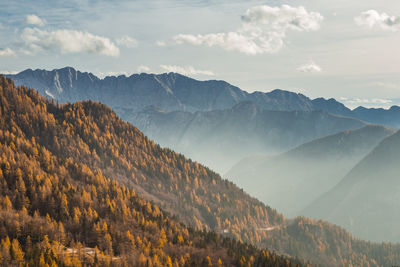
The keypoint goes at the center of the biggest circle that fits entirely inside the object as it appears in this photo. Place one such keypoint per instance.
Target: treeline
(92, 135)
(58, 211)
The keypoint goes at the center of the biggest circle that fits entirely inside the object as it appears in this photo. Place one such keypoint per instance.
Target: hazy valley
(308, 171)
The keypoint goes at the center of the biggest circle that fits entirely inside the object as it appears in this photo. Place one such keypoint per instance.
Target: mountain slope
(306, 172)
(91, 134)
(366, 201)
(60, 212)
(221, 138)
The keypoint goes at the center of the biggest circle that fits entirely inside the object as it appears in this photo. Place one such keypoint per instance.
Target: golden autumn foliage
(60, 205)
(81, 186)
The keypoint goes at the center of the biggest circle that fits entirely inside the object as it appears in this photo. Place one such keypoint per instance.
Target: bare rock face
(168, 91)
(173, 92)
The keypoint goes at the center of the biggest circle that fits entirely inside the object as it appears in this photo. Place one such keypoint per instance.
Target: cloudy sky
(333, 48)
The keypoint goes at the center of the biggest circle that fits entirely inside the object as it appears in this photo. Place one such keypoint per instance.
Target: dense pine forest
(58, 211)
(79, 185)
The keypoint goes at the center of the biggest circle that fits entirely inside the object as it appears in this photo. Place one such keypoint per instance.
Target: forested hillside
(87, 139)
(58, 211)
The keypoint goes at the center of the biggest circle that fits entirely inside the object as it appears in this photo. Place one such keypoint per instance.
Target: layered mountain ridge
(174, 109)
(168, 91)
(172, 92)
(366, 200)
(308, 171)
(220, 138)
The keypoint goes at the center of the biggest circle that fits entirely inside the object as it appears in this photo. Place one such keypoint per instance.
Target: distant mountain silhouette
(168, 91)
(304, 173)
(366, 201)
(390, 117)
(331, 106)
(173, 92)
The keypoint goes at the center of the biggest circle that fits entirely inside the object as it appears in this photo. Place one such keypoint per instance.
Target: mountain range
(71, 169)
(173, 92)
(212, 122)
(219, 124)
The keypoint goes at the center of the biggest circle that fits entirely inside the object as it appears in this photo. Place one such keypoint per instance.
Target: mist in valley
(292, 180)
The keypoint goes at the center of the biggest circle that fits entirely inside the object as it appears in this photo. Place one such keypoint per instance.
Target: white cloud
(127, 41)
(310, 67)
(7, 52)
(143, 69)
(35, 20)
(284, 17)
(68, 41)
(8, 72)
(263, 30)
(373, 102)
(373, 18)
(160, 43)
(187, 70)
(112, 73)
